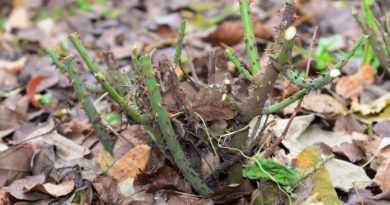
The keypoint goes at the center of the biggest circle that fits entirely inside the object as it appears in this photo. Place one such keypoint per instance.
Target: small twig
(211, 67)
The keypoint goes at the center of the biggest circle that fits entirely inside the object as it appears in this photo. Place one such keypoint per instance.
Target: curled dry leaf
(10, 120)
(56, 190)
(132, 162)
(7, 80)
(15, 163)
(382, 128)
(352, 86)
(4, 199)
(347, 176)
(163, 178)
(19, 17)
(382, 176)
(230, 33)
(324, 104)
(20, 186)
(375, 107)
(208, 103)
(32, 86)
(13, 66)
(230, 193)
(66, 148)
(315, 134)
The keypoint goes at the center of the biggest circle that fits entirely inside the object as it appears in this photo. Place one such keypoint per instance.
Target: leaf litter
(50, 153)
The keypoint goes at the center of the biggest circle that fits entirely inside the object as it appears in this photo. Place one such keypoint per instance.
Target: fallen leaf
(348, 123)
(13, 66)
(380, 199)
(31, 87)
(323, 190)
(350, 151)
(209, 104)
(8, 80)
(324, 104)
(382, 128)
(66, 148)
(164, 178)
(352, 86)
(347, 176)
(4, 199)
(268, 193)
(19, 17)
(187, 199)
(24, 185)
(374, 107)
(210, 163)
(315, 134)
(10, 120)
(277, 126)
(56, 190)
(230, 193)
(230, 33)
(104, 159)
(382, 176)
(126, 188)
(107, 189)
(132, 162)
(15, 163)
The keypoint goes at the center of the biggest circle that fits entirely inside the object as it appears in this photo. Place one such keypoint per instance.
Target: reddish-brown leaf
(31, 87)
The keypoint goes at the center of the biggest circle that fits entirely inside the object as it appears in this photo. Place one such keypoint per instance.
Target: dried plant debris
(194, 102)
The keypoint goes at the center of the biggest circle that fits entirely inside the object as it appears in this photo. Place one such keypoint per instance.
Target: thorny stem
(69, 66)
(238, 65)
(316, 83)
(167, 129)
(180, 39)
(131, 112)
(249, 36)
(265, 81)
(282, 104)
(100, 76)
(83, 53)
(54, 57)
(351, 52)
(134, 59)
(373, 40)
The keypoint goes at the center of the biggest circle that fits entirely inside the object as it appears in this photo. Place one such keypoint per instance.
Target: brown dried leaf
(4, 199)
(324, 104)
(163, 178)
(15, 163)
(25, 184)
(352, 86)
(107, 189)
(7, 80)
(135, 160)
(350, 151)
(19, 17)
(208, 103)
(382, 128)
(10, 120)
(56, 190)
(230, 193)
(13, 66)
(382, 176)
(230, 33)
